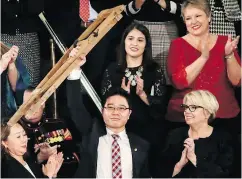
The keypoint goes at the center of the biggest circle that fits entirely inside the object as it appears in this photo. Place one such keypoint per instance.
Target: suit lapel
(135, 150)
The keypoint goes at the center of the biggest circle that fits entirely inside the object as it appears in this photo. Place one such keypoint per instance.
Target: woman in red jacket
(201, 60)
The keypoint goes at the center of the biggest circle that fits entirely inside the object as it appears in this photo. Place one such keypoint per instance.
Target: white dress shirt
(93, 13)
(104, 155)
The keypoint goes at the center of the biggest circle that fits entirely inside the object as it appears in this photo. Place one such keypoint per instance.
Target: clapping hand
(183, 161)
(190, 146)
(231, 45)
(124, 86)
(204, 46)
(139, 86)
(53, 165)
(45, 151)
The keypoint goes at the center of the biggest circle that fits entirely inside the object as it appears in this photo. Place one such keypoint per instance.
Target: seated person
(47, 136)
(106, 139)
(15, 161)
(199, 150)
(14, 79)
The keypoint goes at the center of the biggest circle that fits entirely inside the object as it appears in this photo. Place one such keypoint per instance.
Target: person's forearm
(194, 69)
(233, 69)
(143, 97)
(176, 170)
(12, 75)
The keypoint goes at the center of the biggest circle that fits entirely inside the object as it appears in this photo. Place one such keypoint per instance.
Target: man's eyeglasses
(192, 108)
(120, 109)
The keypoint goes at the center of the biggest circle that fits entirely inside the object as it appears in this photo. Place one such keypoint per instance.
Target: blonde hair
(200, 4)
(205, 99)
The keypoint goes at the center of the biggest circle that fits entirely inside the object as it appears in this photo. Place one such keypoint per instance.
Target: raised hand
(231, 45)
(190, 146)
(82, 59)
(8, 58)
(14, 53)
(126, 87)
(139, 86)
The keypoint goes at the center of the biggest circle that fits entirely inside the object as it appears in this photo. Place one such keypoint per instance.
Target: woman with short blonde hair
(199, 150)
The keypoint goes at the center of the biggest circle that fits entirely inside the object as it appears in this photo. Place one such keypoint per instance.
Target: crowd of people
(168, 97)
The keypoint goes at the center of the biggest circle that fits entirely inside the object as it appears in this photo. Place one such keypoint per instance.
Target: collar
(29, 124)
(122, 134)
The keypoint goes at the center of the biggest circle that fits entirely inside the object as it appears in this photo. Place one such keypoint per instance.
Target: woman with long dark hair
(142, 78)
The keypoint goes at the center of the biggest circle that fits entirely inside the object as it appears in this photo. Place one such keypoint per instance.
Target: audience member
(21, 25)
(143, 79)
(162, 18)
(16, 163)
(107, 150)
(49, 136)
(200, 60)
(197, 151)
(14, 79)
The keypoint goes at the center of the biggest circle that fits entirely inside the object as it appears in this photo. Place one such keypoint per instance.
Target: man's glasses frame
(120, 109)
(191, 108)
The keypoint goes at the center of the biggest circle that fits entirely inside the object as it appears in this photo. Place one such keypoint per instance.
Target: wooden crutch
(88, 39)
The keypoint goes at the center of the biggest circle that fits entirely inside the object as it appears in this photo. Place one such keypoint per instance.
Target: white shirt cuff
(173, 7)
(75, 74)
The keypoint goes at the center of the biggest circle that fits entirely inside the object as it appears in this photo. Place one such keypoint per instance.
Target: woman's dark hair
(147, 56)
(5, 132)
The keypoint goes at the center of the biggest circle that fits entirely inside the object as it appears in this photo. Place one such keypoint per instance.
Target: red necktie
(84, 10)
(116, 158)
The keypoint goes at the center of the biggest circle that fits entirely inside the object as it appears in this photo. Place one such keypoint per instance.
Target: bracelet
(157, 1)
(229, 56)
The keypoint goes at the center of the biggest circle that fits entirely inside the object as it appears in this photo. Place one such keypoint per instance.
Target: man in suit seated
(107, 151)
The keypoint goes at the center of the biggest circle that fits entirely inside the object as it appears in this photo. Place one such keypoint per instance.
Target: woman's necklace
(132, 77)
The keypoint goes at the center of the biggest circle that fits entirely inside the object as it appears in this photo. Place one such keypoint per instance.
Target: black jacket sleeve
(78, 111)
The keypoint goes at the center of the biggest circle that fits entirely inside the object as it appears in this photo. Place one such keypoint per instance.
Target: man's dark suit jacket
(11, 168)
(92, 130)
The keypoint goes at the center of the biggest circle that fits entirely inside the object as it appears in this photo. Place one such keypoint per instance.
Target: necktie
(116, 158)
(84, 10)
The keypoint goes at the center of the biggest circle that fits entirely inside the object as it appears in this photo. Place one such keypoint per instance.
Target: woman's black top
(214, 155)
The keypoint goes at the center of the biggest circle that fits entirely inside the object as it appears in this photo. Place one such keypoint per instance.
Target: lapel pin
(135, 149)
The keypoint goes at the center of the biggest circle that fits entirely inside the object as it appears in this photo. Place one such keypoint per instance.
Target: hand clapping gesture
(204, 46)
(190, 146)
(53, 165)
(9, 58)
(183, 161)
(231, 45)
(45, 151)
(124, 86)
(139, 86)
